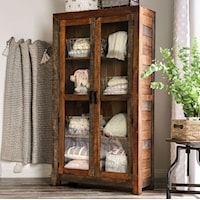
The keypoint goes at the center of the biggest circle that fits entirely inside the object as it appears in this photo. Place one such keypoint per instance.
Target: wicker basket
(116, 162)
(185, 130)
(113, 3)
(134, 2)
(79, 5)
(78, 47)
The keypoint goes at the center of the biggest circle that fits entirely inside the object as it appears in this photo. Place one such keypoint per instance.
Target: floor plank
(36, 188)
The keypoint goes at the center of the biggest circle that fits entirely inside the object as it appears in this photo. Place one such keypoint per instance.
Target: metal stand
(187, 146)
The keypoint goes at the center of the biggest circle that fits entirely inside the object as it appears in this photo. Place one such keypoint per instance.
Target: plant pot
(185, 130)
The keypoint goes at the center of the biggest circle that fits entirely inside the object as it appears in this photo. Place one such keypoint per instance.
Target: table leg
(171, 168)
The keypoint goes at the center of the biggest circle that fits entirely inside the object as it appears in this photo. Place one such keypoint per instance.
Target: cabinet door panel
(75, 126)
(114, 97)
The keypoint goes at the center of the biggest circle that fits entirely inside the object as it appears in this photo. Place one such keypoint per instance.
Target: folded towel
(117, 80)
(117, 45)
(117, 85)
(81, 43)
(115, 90)
(78, 125)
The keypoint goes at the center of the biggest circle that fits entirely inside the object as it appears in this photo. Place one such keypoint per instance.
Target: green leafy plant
(183, 82)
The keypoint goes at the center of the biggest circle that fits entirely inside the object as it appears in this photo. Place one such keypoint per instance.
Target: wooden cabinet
(101, 106)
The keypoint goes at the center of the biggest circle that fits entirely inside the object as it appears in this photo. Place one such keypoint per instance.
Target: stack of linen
(117, 85)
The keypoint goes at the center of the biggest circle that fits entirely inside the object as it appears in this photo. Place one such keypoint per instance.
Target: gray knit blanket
(27, 132)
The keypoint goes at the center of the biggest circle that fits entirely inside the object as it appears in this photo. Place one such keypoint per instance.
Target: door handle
(93, 97)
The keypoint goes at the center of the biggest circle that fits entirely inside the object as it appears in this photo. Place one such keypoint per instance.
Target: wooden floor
(41, 188)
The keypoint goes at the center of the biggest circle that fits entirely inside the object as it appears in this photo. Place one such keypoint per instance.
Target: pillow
(117, 80)
(116, 126)
(81, 164)
(77, 164)
(77, 152)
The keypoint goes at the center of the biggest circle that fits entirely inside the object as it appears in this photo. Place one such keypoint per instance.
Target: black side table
(187, 146)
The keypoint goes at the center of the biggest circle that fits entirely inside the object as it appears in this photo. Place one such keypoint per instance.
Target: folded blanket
(78, 125)
(117, 45)
(117, 85)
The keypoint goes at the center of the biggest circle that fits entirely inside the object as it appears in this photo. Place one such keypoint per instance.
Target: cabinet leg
(55, 179)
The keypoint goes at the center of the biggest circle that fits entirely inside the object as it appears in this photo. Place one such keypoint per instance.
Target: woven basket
(185, 130)
(113, 3)
(116, 162)
(78, 47)
(79, 5)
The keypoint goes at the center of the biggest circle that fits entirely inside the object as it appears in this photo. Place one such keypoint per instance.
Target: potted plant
(183, 82)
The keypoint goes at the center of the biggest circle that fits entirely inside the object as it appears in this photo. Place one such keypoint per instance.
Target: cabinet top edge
(99, 13)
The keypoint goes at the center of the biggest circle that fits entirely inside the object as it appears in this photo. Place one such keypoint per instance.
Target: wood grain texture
(138, 22)
(40, 188)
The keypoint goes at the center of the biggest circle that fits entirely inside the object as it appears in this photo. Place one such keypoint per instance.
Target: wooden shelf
(76, 97)
(121, 97)
(77, 58)
(76, 136)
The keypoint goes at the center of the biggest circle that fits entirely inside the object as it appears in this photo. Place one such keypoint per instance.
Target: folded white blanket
(79, 123)
(117, 45)
(117, 80)
(81, 43)
(117, 85)
(117, 89)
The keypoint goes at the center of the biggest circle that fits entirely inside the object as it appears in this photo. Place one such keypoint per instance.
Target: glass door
(75, 82)
(115, 98)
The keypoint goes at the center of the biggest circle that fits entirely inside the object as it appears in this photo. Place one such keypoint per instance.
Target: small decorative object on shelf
(80, 5)
(114, 3)
(134, 2)
(81, 81)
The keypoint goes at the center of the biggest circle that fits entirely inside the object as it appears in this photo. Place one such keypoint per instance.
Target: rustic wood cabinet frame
(139, 22)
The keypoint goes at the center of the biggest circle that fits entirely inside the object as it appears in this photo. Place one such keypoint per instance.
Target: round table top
(183, 141)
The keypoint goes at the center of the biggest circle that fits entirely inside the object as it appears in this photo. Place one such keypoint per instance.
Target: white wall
(24, 19)
(33, 19)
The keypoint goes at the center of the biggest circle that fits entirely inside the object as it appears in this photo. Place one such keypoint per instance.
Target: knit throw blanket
(27, 132)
